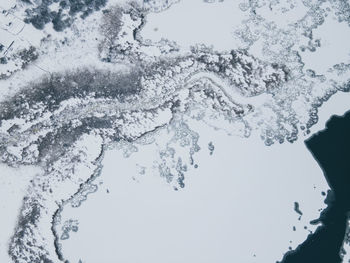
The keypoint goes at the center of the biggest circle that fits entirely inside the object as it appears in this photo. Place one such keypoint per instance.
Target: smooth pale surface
(334, 46)
(237, 204)
(239, 201)
(197, 22)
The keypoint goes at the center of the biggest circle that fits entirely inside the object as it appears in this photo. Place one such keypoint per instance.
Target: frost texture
(64, 121)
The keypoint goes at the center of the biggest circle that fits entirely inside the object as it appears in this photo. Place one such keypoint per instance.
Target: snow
(13, 187)
(196, 22)
(208, 220)
(236, 200)
(334, 47)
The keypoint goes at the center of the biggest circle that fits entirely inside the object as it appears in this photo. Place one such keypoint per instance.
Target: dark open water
(331, 149)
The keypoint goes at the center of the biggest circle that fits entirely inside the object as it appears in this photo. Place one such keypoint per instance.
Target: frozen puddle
(197, 22)
(334, 47)
(237, 206)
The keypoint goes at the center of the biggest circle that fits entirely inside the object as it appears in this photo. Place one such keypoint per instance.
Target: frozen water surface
(238, 203)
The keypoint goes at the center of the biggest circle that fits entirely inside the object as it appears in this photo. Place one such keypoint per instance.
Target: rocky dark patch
(40, 14)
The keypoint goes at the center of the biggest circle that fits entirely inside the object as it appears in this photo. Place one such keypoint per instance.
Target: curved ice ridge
(232, 93)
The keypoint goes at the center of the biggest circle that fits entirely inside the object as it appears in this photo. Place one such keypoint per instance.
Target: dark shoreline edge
(331, 149)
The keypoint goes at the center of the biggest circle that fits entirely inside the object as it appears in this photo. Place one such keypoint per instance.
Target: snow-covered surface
(207, 83)
(13, 188)
(238, 203)
(346, 246)
(197, 22)
(335, 47)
